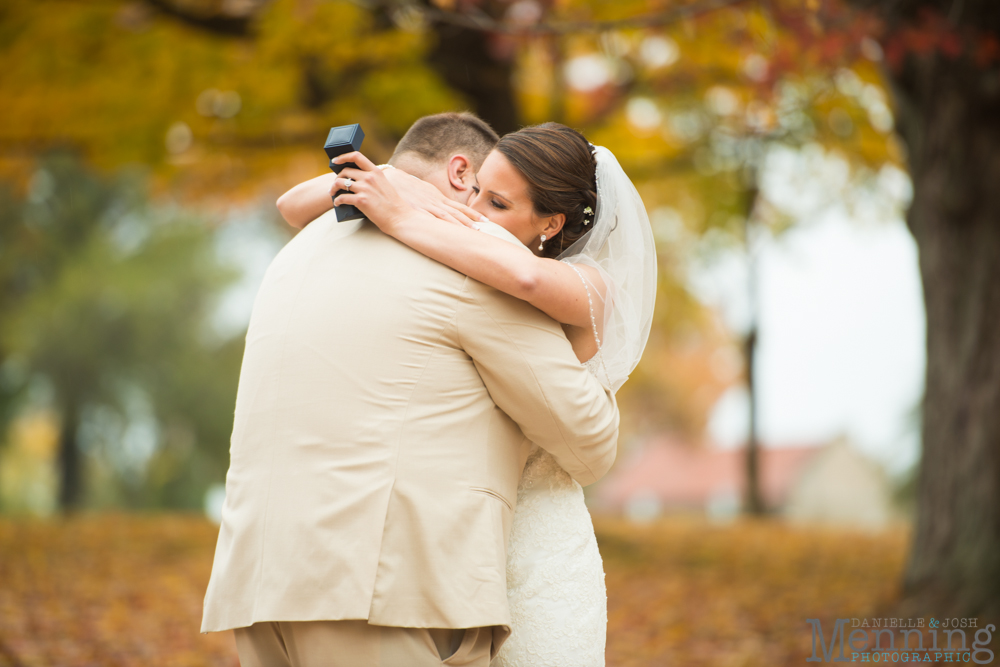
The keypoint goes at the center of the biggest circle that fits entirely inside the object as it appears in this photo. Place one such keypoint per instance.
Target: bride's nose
(477, 202)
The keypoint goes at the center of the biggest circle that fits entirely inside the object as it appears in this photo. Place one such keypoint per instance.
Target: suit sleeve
(532, 374)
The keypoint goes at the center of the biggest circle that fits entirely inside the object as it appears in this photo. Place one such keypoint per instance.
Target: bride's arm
(307, 201)
(552, 286)
(310, 199)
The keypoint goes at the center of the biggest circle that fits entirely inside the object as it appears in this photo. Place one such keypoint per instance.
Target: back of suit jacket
(385, 410)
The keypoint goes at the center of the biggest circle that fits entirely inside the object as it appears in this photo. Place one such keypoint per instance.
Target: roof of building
(684, 475)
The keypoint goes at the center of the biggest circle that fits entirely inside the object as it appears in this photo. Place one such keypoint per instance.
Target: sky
(841, 323)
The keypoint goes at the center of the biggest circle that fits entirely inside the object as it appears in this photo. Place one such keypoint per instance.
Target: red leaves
(933, 34)
(988, 51)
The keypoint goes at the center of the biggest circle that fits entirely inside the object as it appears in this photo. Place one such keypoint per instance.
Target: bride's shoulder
(588, 271)
(495, 230)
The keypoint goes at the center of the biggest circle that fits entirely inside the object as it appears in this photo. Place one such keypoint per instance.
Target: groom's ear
(461, 175)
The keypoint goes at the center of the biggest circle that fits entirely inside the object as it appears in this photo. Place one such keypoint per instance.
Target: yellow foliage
(37, 434)
(27, 472)
(114, 79)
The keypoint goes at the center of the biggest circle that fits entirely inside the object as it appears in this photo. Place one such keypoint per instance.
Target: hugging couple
(423, 393)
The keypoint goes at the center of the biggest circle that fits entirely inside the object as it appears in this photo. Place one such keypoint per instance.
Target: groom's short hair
(434, 139)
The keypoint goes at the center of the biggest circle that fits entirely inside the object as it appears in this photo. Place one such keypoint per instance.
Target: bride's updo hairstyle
(559, 167)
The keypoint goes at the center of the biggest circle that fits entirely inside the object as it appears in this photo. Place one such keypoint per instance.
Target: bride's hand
(387, 198)
(423, 196)
(368, 189)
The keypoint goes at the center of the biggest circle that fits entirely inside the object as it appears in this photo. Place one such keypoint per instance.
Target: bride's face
(501, 194)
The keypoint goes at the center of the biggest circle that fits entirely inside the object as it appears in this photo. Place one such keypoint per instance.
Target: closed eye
(497, 205)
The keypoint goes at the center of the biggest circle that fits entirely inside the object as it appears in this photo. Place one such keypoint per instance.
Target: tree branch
(220, 24)
(484, 23)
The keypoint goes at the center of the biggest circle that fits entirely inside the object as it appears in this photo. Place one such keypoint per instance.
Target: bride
(592, 267)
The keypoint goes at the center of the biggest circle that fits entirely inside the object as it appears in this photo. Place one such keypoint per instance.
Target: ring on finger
(348, 182)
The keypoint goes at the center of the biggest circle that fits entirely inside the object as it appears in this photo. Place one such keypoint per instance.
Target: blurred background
(143, 145)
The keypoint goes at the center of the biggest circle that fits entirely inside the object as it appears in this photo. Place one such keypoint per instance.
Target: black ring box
(344, 139)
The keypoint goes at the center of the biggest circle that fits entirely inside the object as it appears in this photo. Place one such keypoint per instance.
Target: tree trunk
(462, 57)
(754, 501)
(949, 115)
(70, 472)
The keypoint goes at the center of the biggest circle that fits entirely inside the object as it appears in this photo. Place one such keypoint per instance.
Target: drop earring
(541, 244)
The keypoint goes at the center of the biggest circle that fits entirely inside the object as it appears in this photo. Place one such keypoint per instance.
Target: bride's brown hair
(559, 167)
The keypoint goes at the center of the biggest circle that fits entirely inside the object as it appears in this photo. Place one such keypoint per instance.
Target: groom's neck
(431, 172)
(414, 164)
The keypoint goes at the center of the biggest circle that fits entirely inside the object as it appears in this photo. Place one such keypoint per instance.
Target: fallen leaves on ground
(115, 591)
(689, 593)
(124, 591)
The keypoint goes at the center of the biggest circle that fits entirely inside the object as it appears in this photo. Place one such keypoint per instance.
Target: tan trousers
(357, 644)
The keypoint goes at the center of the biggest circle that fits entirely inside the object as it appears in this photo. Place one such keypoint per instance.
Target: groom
(386, 408)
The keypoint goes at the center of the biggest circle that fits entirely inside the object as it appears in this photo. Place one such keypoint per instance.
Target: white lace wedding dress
(555, 576)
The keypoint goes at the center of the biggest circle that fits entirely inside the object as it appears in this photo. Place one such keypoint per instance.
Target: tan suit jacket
(385, 411)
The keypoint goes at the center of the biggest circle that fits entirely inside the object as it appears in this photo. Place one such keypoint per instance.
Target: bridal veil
(620, 246)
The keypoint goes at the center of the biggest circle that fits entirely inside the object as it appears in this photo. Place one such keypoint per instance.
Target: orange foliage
(127, 591)
(108, 590)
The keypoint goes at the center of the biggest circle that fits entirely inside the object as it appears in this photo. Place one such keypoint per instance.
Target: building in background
(831, 483)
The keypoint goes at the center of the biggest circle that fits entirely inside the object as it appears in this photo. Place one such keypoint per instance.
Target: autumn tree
(943, 59)
(105, 321)
(219, 105)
